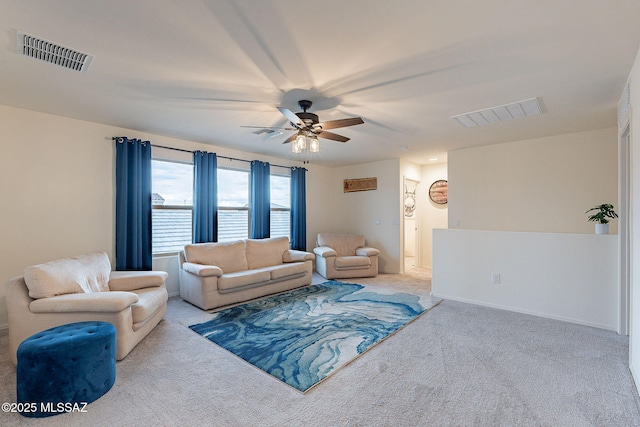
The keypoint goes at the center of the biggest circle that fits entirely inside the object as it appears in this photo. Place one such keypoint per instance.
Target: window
(280, 206)
(172, 220)
(172, 188)
(233, 204)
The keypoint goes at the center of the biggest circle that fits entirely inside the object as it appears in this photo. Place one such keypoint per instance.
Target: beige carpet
(458, 365)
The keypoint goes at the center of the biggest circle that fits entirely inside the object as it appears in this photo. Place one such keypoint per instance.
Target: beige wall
(634, 327)
(376, 214)
(57, 191)
(57, 188)
(543, 185)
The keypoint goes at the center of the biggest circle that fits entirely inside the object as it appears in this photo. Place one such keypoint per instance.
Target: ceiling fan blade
(295, 120)
(333, 124)
(291, 138)
(332, 136)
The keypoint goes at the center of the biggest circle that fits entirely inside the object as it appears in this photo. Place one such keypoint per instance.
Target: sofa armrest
(202, 270)
(103, 302)
(367, 251)
(293, 255)
(133, 280)
(324, 251)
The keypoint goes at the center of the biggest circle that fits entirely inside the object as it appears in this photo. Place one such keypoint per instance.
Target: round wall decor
(438, 192)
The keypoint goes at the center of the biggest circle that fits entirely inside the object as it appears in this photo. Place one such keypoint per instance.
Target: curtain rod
(115, 138)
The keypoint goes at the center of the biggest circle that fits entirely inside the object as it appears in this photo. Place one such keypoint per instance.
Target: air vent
(46, 51)
(270, 132)
(502, 113)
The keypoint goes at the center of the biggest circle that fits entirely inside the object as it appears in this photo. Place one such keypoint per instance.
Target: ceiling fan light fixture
(314, 144)
(301, 141)
(309, 128)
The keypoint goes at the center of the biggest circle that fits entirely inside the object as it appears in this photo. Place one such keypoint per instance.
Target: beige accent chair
(213, 275)
(82, 289)
(343, 256)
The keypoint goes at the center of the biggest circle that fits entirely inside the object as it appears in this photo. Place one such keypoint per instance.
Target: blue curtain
(298, 209)
(133, 204)
(205, 197)
(260, 199)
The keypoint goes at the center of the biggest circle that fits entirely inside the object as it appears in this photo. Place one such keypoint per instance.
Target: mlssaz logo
(53, 407)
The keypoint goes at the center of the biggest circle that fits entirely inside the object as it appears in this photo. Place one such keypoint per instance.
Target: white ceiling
(199, 70)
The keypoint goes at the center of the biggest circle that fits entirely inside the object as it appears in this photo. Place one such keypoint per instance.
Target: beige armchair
(82, 289)
(343, 256)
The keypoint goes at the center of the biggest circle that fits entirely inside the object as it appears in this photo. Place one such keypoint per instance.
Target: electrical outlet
(495, 278)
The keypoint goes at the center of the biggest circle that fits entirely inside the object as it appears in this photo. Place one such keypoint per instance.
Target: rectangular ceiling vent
(270, 132)
(502, 113)
(44, 50)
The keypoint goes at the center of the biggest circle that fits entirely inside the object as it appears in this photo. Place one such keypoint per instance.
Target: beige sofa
(218, 274)
(343, 256)
(82, 289)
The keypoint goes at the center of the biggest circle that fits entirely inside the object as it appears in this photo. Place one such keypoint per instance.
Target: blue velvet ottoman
(66, 367)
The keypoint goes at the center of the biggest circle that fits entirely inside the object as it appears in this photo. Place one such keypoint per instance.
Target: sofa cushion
(266, 252)
(232, 281)
(149, 301)
(85, 273)
(229, 256)
(94, 302)
(347, 262)
(343, 244)
(133, 280)
(285, 271)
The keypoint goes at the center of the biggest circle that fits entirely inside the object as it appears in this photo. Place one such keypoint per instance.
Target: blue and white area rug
(304, 335)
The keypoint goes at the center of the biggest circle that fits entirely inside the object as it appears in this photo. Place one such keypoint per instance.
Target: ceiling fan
(309, 127)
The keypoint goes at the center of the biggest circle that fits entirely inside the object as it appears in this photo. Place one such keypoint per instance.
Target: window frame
(286, 174)
(171, 207)
(235, 208)
(285, 209)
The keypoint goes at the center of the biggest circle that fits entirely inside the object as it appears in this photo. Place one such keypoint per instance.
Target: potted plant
(601, 217)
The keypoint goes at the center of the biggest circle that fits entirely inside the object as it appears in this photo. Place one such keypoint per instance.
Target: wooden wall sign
(360, 184)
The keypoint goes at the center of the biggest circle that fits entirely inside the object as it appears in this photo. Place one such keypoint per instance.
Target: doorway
(411, 234)
(624, 229)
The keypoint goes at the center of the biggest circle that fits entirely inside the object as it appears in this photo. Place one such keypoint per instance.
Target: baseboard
(529, 312)
(4, 326)
(174, 294)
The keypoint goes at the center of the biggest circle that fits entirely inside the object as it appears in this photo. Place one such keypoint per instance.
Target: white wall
(543, 184)
(520, 207)
(57, 188)
(571, 277)
(431, 215)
